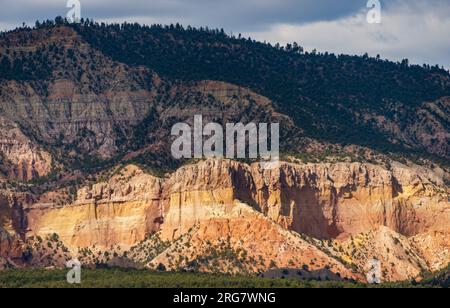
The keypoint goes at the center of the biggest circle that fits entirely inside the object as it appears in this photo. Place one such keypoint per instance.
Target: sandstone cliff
(219, 201)
(121, 212)
(70, 111)
(22, 159)
(322, 200)
(10, 249)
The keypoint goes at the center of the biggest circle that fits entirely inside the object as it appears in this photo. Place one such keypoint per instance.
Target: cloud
(414, 29)
(244, 15)
(410, 30)
(4, 26)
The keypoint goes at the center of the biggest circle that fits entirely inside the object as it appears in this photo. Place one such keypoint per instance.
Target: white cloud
(408, 30)
(414, 29)
(4, 26)
(245, 15)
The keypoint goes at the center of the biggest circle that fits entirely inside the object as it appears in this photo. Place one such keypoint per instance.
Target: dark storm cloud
(242, 15)
(416, 29)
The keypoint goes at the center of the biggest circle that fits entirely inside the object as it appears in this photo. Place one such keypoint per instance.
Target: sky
(414, 29)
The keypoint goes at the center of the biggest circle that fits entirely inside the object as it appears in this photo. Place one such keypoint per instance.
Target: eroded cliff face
(88, 106)
(11, 249)
(400, 259)
(235, 238)
(12, 213)
(87, 102)
(222, 200)
(434, 247)
(322, 200)
(22, 159)
(12, 228)
(120, 212)
(92, 106)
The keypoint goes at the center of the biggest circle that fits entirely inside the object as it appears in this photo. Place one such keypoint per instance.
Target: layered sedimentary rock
(237, 238)
(399, 258)
(12, 214)
(11, 249)
(94, 107)
(216, 200)
(73, 101)
(322, 200)
(434, 247)
(120, 212)
(22, 159)
(12, 227)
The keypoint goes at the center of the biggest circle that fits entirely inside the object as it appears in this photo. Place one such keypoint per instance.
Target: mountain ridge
(86, 112)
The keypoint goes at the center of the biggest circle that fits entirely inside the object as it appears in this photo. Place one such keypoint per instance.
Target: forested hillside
(326, 94)
(339, 99)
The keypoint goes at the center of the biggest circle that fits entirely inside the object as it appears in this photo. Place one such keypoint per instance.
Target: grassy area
(121, 278)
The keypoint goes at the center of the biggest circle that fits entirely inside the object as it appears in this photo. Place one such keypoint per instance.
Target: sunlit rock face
(261, 209)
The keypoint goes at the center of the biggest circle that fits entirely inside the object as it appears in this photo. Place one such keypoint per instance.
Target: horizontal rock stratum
(76, 102)
(264, 212)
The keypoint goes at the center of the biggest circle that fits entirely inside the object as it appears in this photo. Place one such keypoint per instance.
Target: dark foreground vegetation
(122, 278)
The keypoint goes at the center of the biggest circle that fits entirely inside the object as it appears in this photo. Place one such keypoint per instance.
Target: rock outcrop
(12, 211)
(22, 159)
(11, 250)
(67, 109)
(235, 238)
(99, 107)
(322, 200)
(83, 109)
(400, 259)
(434, 247)
(120, 212)
(260, 211)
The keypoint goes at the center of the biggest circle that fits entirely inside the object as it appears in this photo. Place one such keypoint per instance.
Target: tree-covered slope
(387, 106)
(327, 95)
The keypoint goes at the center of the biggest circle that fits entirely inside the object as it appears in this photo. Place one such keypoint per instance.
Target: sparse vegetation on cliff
(334, 109)
(337, 99)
